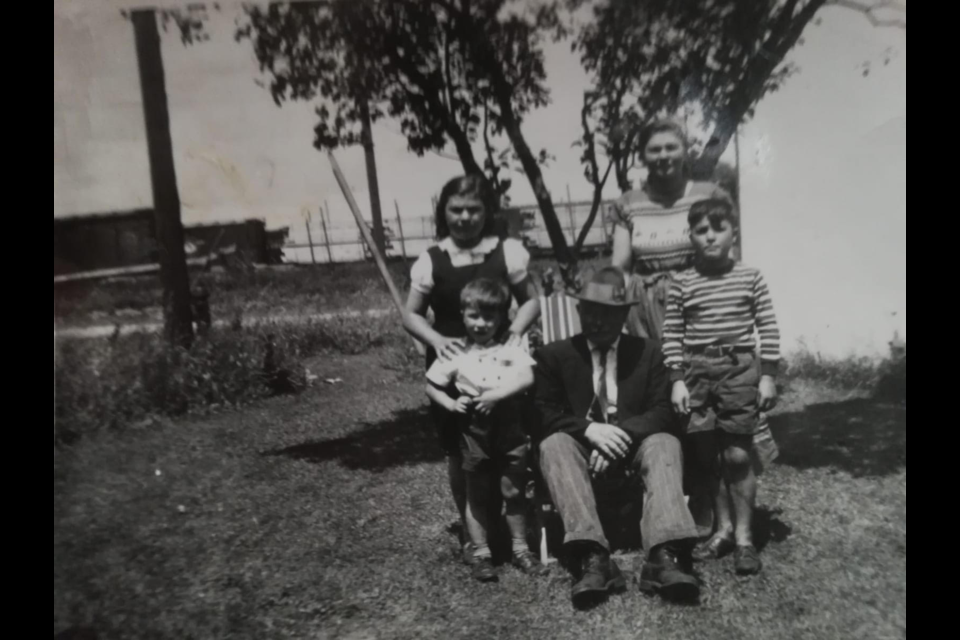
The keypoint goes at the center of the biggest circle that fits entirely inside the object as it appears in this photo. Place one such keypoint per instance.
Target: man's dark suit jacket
(563, 391)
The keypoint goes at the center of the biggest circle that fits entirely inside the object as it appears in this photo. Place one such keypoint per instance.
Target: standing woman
(651, 242)
(468, 248)
(651, 238)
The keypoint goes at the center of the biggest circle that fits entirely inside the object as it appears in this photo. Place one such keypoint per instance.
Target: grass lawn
(327, 516)
(268, 291)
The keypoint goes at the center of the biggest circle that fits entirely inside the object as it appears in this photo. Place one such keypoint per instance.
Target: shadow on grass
(768, 527)
(406, 438)
(863, 437)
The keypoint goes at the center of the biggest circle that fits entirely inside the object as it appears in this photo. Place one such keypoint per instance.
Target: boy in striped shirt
(713, 310)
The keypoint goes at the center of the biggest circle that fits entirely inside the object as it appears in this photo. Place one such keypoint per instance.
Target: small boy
(712, 311)
(488, 377)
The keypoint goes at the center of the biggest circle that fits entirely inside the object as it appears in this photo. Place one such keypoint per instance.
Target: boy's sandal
(714, 548)
(747, 560)
(528, 563)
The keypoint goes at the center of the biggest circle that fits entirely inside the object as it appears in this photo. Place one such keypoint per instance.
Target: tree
(445, 69)
(320, 49)
(716, 58)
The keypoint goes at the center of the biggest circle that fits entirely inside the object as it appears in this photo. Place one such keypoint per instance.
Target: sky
(823, 162)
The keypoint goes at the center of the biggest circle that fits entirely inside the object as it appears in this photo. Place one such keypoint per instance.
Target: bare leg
(511, 487)
(458, 488)
(706, 448)
(701, 473)
(476, 513)
(742, 484)
(721, 507)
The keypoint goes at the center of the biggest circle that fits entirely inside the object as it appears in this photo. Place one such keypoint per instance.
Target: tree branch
(594, 208)
(868, 11)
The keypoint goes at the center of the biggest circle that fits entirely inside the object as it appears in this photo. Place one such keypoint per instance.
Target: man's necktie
(602, 393)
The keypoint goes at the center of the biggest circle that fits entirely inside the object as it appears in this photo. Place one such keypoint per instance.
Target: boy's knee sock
(482, 551)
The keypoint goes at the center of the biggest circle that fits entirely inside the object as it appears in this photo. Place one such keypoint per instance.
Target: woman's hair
(717, 208)
(475, 185)
(486, 294)
(661, 125)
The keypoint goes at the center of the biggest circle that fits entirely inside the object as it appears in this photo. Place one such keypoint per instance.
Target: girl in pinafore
(468, 249)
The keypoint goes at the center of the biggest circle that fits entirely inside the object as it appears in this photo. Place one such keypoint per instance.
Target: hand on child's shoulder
(515, 355)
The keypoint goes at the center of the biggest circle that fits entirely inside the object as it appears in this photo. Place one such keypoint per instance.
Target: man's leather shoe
(664, 574)
(599, 576)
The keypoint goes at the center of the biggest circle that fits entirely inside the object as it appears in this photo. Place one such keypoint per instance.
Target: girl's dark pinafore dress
(448, 282)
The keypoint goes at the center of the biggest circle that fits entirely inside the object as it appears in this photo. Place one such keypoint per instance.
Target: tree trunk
(375, 211)
(594, 209)
(558, 240)
(464, 150)
(177, 314)
(503, 94)
(783, 39)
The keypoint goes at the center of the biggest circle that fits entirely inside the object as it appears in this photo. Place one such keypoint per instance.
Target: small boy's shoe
(467, 556)
(528, 563)
(746, 561)
(484, 571)
(714, 548)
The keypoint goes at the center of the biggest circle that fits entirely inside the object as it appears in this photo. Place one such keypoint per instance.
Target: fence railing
(409, 237)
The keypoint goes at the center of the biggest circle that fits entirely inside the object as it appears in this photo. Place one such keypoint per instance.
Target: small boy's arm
(440, 397)
(673, 332)
(766, 321)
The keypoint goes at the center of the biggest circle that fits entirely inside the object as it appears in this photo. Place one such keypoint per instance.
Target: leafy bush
(886, 378)
(110, 384)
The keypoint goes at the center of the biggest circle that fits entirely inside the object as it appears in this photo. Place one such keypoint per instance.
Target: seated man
(603, 403)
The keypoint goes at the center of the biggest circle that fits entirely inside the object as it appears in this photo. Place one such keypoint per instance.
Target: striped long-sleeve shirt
(724, 308)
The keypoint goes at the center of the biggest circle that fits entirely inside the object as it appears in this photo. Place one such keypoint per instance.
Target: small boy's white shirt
(480, 369)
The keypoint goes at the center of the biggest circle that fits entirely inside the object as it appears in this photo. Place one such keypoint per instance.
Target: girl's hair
(475, 185)
(717, 208)
(486, 294)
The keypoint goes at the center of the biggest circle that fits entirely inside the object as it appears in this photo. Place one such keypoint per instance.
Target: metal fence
(409, 237)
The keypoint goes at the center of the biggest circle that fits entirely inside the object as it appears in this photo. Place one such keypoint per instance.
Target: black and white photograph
(442, 319)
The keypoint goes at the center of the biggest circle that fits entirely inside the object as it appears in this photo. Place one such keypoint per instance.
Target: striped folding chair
(559, 320)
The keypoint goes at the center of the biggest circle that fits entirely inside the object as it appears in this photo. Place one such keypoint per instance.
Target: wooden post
(403, 242)
(365, 232)
(177, 315)
(326, 236)
(306, 220)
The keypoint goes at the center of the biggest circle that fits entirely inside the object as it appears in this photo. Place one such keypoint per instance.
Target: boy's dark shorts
(724, 392)
(496, 440)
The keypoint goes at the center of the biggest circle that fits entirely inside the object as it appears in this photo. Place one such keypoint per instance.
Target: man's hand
(463, 404)
(598, 464)
(680, 398)
(609, 440)
(768, 393)
(485, 402)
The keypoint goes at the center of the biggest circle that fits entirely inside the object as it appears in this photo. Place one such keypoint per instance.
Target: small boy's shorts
(496, 440)
(724, 392)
